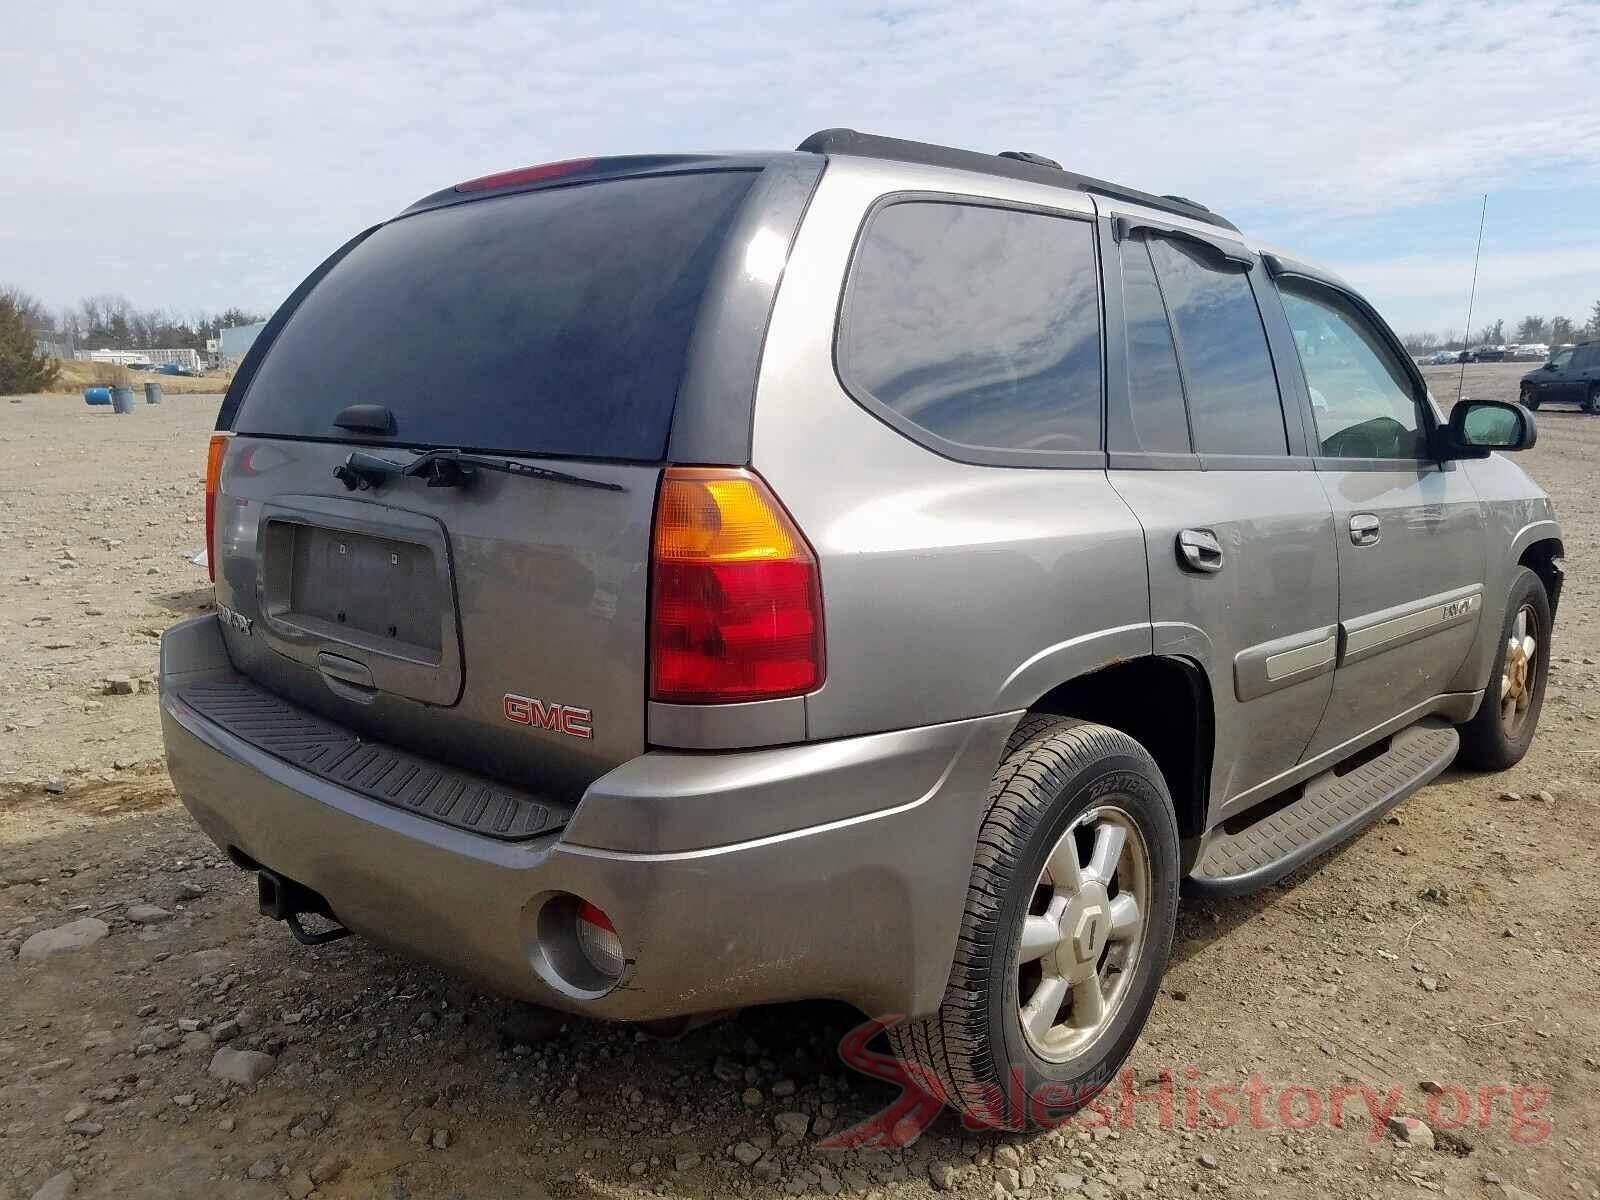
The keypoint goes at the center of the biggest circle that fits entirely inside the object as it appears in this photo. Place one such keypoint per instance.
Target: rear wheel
(1501, 732)
(1069, 920)
(1591, 401)
(1530, 397)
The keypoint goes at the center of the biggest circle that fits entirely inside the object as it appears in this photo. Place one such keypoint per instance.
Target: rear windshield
(551, 323)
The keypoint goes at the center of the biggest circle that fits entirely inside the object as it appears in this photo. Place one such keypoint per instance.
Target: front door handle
(1199, 550)
(1365, 529)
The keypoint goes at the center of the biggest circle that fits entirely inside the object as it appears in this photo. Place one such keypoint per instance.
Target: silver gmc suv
(880, 572)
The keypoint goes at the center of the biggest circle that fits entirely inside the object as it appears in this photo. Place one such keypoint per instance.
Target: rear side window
(552, 322)
(1155, 392)
(978, 325)
(1233, 392)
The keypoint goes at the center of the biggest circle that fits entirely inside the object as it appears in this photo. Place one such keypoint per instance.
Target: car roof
(1010, 164)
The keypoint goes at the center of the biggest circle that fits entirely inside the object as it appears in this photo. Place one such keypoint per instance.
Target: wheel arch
(1542, 555)
(1164, 703)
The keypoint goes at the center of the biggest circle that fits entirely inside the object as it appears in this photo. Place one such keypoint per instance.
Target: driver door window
(1361, 398)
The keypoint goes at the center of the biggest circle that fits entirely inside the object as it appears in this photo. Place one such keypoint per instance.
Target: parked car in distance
(1530, 352)
(1440, 357)
(1483, 354)
(881, 572)
(1572, 376)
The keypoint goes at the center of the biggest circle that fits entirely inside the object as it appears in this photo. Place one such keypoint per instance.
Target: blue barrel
(122, 399)
(152, 393)
(97, 395)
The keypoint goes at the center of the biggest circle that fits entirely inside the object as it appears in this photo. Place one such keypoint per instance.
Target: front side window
(1361, 397)
(1561, 360)
(1227, 370)
(978, 325)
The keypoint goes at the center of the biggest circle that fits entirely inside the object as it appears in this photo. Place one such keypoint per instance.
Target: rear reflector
(525, 175)
(219, 443)
(598, 940)
(736, 598)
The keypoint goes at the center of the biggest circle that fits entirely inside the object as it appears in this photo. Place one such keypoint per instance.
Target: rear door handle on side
(1199, 550)
(1365, 529)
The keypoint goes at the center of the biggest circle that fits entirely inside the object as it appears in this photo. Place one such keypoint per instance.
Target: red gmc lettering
(557, 718)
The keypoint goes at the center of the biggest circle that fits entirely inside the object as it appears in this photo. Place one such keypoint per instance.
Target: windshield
(552, 322)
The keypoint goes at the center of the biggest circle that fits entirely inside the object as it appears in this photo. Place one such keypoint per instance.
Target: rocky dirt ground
(1456, 945)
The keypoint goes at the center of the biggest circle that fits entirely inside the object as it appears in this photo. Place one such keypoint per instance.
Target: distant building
(188, 359)
(235, 343)
(125, 358)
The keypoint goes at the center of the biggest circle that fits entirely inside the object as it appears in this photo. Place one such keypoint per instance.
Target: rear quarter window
(552, 322)
(976, 328)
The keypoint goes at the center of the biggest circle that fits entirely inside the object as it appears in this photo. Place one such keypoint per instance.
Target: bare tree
(1531, 329)
(29, 309)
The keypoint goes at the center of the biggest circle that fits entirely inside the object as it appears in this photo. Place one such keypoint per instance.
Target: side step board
(1334, 808)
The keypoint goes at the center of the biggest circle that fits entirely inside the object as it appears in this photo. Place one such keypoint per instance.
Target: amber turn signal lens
(219, 443)
(736, 597)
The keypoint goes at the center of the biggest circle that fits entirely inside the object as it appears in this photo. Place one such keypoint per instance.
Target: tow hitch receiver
(285, 900)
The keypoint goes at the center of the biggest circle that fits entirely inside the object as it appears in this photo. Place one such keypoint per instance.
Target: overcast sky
(202, 155)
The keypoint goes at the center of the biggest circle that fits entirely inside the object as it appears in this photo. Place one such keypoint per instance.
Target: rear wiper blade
(450, 468)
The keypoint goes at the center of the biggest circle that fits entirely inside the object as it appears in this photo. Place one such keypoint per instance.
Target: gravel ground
(1455, 945)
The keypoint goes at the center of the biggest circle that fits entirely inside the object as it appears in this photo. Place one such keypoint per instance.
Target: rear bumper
(834, 869)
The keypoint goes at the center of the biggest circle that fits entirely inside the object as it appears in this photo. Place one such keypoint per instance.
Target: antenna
(1466, 337)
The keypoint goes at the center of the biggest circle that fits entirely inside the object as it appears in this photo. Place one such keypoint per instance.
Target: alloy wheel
(1519, 674)
(1083, 933)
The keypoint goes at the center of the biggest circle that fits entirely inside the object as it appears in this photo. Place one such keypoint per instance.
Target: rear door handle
(1199, 550)
(1365, 529)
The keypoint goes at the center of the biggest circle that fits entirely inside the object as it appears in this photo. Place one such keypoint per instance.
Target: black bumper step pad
(376, 771)
(1334, 808)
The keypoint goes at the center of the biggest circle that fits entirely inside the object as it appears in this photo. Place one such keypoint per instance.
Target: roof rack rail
(1013, 164)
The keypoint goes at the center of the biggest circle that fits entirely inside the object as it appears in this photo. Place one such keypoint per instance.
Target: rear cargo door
(498, 623)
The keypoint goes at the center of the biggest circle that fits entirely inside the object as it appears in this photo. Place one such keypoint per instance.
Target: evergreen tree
(22, 368)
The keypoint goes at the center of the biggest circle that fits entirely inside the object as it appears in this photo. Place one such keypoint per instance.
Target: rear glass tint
(1155, 392)
(552, 322)
(979, 325)
(1227, 370)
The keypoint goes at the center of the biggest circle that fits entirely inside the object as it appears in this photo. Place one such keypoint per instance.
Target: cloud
(223, 159)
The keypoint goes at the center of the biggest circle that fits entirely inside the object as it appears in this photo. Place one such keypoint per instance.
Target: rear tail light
(598, 940)
(219, 443)
(736, 598)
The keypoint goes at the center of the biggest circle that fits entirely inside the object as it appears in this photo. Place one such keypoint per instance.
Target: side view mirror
(1549, 366)
(1479, 427)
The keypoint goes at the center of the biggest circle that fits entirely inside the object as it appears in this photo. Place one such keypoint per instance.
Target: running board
(1333, 808)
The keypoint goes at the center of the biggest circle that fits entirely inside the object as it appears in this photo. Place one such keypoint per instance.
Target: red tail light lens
(736, 598)
(219, 443)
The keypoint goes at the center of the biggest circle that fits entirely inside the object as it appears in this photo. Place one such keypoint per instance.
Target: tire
(1530, 397)
(1591, 401)
(1057, 776)
(1491, 741)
